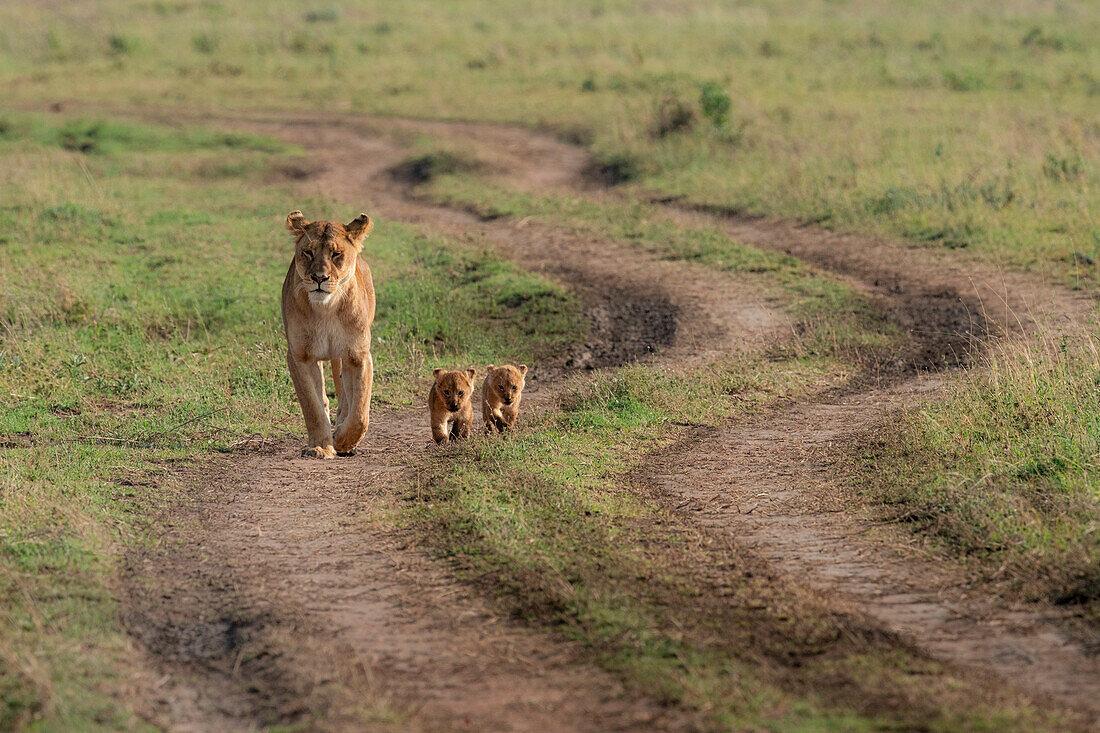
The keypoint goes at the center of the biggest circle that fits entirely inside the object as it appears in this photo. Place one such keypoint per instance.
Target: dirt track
(277, 559)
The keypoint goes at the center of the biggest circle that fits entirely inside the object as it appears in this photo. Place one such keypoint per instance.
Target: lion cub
(501, 394)
(450, 404)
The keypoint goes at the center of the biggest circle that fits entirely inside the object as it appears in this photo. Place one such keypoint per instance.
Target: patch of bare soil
(286, 591)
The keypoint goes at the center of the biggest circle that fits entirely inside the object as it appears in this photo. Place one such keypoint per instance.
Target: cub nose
(319, 278)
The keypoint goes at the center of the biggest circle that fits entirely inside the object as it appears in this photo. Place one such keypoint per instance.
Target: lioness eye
(308, 255)
(338, 256)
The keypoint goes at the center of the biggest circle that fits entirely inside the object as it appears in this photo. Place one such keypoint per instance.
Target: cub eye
(513, 388)
(460, 393)
(447, 392)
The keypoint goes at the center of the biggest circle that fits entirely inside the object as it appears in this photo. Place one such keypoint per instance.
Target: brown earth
(273, 591)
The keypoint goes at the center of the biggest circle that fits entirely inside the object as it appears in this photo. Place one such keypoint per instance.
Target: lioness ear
(471, 373)
(523, 369)
(295, 222)
(436, 373)
(359, 228)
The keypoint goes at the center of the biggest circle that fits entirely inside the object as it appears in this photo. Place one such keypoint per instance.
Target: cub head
(325, 253)
(506, 382)
(455, 388)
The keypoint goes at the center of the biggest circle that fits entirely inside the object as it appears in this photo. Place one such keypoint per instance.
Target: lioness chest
(331, 339)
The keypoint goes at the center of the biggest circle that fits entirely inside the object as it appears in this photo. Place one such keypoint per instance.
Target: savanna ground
(807, 288)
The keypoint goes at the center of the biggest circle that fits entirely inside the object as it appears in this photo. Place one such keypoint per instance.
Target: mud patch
(625, 326)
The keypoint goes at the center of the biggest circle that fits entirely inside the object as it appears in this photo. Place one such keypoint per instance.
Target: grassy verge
(556, 523)
(139, 324)
(974, 134)
(1006, 471)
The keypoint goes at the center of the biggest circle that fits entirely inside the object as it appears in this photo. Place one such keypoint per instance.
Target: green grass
(961, 126)
(1005, 471)
(139, 324)
(555, 523)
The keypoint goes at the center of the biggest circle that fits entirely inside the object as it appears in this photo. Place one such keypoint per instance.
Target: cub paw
(317, 451)
(348, 452)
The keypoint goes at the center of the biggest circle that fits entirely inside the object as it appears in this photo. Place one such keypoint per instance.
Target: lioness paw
(318, 451)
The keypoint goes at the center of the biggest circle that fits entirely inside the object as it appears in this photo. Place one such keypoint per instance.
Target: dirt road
(279, 585)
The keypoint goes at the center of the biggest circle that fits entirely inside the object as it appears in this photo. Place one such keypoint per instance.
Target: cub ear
(523, 370)
(295, 222)
(359, 228)
(471, 373)
(489, 369)
(436, 373)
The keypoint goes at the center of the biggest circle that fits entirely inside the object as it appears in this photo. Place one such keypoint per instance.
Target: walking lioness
(328, 308)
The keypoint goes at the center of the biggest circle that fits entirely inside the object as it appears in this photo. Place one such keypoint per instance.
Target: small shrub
(715, 103)
(121, 45)
(205, 43)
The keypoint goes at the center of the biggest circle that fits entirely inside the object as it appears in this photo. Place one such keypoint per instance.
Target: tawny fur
(450, 404)
(501, 394)
(328, 309)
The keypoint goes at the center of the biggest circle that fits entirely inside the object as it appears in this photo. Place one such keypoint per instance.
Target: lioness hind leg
(309, 385)
(341, 398)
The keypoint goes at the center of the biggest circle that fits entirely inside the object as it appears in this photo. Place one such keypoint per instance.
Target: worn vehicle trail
(281, 555)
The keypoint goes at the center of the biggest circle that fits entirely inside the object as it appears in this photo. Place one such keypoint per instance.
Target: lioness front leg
(356, 381)
(309, 385)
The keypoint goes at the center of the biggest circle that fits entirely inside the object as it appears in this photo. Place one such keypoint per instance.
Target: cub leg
(461, 428)
(356, 380)
(441, 431)
(309, 385)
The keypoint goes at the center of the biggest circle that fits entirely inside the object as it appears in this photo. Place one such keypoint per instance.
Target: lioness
(328, 308)
(501, 394)
(450, 405)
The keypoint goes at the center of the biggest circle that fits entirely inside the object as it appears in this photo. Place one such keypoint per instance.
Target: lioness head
(506, 382)
(325, 253)
(454, 387)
